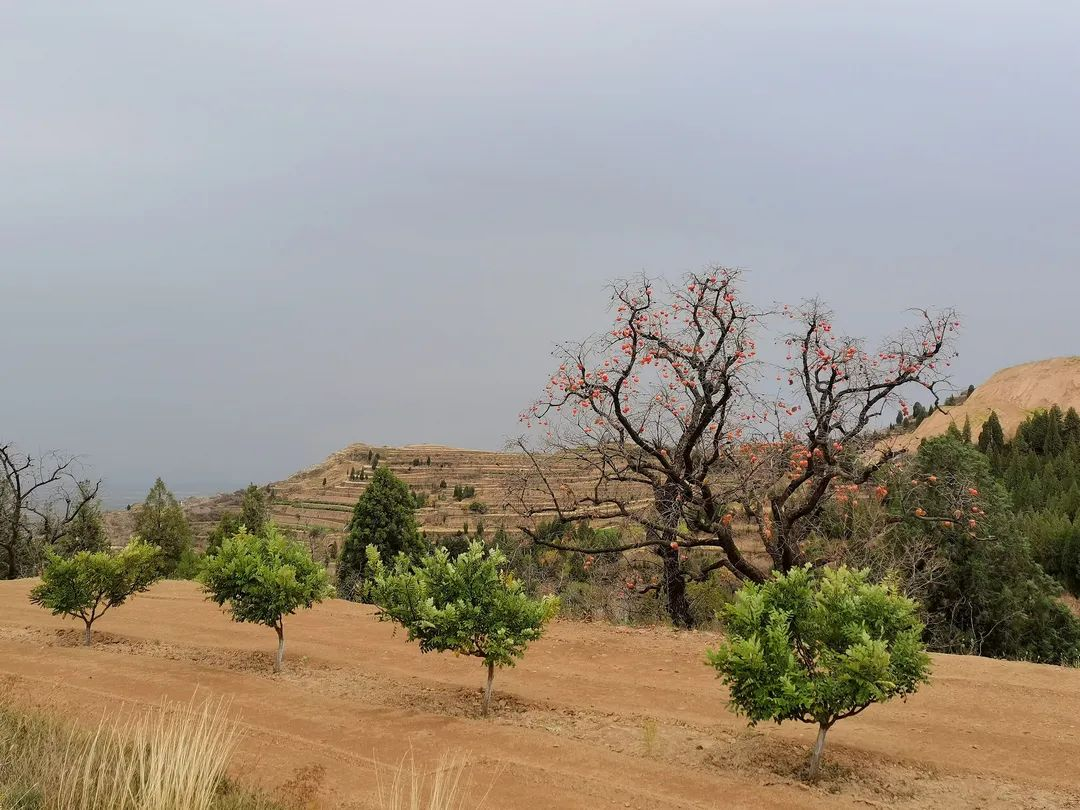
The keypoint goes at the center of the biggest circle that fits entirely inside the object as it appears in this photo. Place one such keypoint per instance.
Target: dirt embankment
(594, 717)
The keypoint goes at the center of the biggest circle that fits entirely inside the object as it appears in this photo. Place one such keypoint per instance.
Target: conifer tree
(1070, 429)
(991, 437)
(161, 522)
(918, 413)
(384, 518)
(254, 513)
(1054, 442)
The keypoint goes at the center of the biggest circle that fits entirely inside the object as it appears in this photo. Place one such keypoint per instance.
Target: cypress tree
(383, 518)
(162, 523)
(991, 437)
(1070, 429)
(254, 513)
(1054, 442)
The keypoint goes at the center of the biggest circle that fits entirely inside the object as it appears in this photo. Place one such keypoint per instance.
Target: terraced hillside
(324, 495)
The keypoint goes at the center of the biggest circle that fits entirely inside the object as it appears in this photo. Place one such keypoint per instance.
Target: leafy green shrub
(819, 646)
(479, 507)
(264, 578)
(468, 605)
(86, 585)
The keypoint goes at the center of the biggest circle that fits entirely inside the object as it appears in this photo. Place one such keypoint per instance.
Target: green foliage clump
(89, 583)
(463, 491)
(161, 522)
(228, 525)
(819, 646)
(479, 507)
(988, 595)
(264, 578)
(468, 605)
(384, 518)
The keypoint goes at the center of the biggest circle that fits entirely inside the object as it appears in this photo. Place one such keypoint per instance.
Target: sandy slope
(1014, 393)
(595, 717)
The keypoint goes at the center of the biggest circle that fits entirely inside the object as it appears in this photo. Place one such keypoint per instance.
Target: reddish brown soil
(595, 717)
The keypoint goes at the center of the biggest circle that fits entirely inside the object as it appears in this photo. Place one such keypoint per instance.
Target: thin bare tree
(40, 498)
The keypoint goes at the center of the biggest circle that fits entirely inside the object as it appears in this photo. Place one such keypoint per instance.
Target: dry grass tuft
(410, 787)
(171, 758)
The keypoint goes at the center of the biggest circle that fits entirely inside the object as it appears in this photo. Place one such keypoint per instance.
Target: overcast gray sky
(235, 236)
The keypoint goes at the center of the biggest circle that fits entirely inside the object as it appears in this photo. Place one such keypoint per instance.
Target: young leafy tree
(264, 578)
(161, 522)
(86, 585)
(468, 605)
(384, 517)
(819, 646)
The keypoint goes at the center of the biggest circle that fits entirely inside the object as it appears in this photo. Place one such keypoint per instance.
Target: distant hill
(324, 495)
(1014, 393)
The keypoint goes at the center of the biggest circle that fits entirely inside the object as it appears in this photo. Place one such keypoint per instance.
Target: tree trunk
(88, 636)
(487, 688)
(678, 606)
(13, 541)
(819, 748)
(279, 660)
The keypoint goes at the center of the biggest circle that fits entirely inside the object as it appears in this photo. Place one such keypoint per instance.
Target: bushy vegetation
(88, 584)
(264, 578)
(819, 646)
(384, 517)
(463, 491)
(469, 605)
(948, 532)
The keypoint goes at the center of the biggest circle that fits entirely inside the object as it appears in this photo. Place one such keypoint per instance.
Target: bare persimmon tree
(669, 418)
